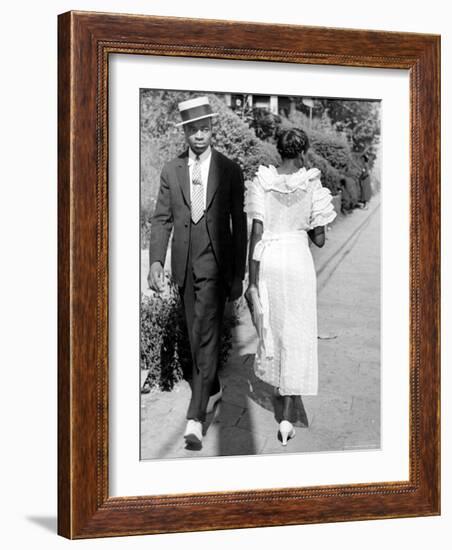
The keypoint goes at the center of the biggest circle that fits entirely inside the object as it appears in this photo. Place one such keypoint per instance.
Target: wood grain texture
(64, 295)
(85, 42)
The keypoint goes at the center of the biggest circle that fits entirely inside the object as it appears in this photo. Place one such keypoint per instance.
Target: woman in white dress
(287, 204)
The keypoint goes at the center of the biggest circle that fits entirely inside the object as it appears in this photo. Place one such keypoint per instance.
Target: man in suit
(201, 201)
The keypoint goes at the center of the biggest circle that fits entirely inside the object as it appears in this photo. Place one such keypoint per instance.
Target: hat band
(196, 112)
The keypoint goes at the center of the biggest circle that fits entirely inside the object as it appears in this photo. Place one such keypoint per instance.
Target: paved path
(345, 414)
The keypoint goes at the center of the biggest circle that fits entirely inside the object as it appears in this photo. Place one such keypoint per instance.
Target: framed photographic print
(248, 275)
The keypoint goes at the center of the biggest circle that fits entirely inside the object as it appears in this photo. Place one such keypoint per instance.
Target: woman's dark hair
(292, 142)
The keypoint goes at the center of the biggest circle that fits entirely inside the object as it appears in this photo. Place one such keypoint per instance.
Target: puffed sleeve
(322, 211)
(254, 200)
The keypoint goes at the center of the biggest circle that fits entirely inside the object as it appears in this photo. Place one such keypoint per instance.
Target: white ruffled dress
(289, 206)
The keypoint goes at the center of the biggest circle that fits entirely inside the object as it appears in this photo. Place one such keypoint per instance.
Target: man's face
(198, 135)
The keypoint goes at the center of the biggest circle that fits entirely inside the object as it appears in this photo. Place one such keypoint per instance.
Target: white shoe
(213, 399)
(286, 430)
(193, 432)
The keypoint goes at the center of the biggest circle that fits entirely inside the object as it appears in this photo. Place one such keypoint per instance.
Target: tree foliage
(359, 120)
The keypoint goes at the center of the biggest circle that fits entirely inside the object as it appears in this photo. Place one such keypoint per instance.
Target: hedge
(164, 345)
(330, 176)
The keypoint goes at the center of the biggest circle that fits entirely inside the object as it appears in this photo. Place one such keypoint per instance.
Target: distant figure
(348, 202)
(287, 204)
(201, 200)
(364, 183)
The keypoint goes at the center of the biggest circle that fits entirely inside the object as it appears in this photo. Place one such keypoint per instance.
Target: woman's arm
(317, 236)
(256, 235)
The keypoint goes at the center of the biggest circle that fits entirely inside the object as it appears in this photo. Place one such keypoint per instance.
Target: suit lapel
(214, 178)
(183, 176)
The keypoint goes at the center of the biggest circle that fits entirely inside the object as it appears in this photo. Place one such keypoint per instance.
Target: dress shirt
(204, 159)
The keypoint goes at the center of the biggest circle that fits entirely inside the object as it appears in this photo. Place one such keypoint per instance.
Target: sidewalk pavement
(345, 414)
(340, 239)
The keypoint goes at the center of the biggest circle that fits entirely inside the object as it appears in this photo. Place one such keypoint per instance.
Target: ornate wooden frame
(84, 44)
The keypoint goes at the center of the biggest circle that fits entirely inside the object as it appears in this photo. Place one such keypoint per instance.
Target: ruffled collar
(271, 180)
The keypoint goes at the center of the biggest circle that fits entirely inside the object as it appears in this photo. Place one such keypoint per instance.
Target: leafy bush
(164, 345)
(334, 150)
(341, 160)
(330, 176)
(163, 342)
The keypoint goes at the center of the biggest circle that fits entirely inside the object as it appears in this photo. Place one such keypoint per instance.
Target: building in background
(278, 105)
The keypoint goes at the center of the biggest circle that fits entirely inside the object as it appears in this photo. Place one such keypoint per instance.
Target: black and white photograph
(260, 274)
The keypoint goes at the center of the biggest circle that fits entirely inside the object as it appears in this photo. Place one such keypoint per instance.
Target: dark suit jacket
(225, 219)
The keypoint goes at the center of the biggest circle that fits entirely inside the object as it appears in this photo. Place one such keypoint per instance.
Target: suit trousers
(203, 297)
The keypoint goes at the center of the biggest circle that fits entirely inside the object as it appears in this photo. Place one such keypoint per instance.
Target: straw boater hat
(195, 109)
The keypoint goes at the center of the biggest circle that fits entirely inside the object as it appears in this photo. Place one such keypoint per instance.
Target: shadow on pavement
(266, 397)
(242, 418)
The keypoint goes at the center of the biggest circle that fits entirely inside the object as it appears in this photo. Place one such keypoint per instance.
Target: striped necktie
(197, 192)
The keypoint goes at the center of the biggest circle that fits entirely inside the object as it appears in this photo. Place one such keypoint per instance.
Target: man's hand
(236, 290)
(156, 277)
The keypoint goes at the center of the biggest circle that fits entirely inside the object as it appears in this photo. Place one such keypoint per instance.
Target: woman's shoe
(286, 430)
